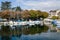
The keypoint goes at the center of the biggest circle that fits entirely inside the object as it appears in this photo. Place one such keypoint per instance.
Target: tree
(5, 5)
(32, 14)
(17, 12)
(44, 15)
(18, 8)
(5, 14)
(17, 15)
(55, 17)
(38, 14)
(25, 14)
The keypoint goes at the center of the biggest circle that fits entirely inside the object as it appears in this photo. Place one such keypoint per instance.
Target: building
(54, 13)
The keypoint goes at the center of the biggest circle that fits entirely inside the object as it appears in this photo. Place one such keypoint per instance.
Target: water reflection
(35, 29)
(5, 38)
(7, 33)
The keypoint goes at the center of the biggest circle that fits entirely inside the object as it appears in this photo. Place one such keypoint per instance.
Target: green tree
(38, 14)
(5, 5)
(32, 14)
(45, 15)
(55, 17)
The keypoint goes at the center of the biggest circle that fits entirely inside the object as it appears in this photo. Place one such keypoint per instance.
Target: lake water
(33, 33)
(41, 36)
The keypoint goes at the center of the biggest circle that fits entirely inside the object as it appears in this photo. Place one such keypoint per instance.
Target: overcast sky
(44, 5)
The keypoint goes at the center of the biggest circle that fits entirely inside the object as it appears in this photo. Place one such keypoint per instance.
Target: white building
(54, 13)
(51, 13)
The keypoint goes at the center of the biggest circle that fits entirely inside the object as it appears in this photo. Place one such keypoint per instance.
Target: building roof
(53, 10)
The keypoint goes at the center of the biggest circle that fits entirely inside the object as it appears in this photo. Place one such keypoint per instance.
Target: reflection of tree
(7, 32)
(16, 32)
(35, 29)
(5, 38)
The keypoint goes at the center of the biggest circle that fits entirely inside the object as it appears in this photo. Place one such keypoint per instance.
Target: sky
(44, 5)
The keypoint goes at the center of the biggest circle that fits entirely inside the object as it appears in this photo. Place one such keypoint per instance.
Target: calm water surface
(33, 33)
(42, 36)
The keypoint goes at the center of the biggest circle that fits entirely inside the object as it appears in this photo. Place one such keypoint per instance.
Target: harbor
(21, 23)
(29, 19)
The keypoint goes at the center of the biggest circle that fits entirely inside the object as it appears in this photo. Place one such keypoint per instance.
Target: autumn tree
(6, 14)
(25, 14)
(17, 14)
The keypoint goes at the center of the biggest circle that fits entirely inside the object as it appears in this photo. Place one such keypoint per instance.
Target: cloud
(37, 4)
(43, 5)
